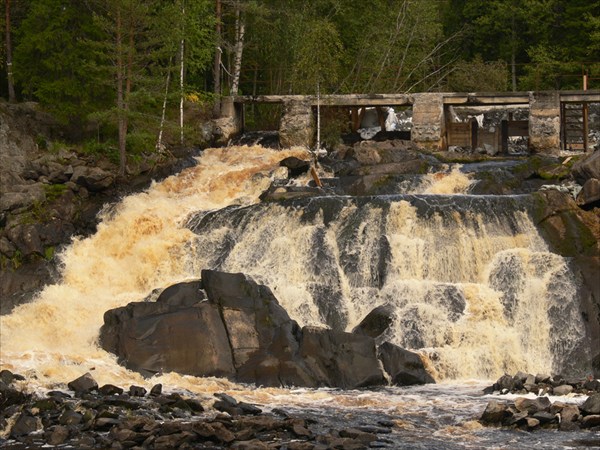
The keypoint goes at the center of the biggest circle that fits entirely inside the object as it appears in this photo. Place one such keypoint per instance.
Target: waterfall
(471, 283)
(469, 279)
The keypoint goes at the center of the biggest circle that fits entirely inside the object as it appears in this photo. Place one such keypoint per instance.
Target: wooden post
(355, 119)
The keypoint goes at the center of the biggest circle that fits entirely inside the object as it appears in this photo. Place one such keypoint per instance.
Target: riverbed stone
(533, 405)
(586, 168)
(403, 366)
(495, 412)
(563, 389)
(24, 425)
(591, 405)
(85, 383)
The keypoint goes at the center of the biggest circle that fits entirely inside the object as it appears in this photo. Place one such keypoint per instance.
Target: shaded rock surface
(236, 328)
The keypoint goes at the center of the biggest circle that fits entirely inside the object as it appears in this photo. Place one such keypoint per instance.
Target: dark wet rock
(376, 322)
(590, 421)
(110, 389)
(592, 385)
(92, 178)
(586, 168)
(404, 367)
(197, 332)
(533, 405)
(591, 405)
(277, 193)
(137, 391)
(495, 412)
(296, 166)
(341, 359)
(589, 196)
(182, 294)
(545, 417)
(27, 239)
(156, 390)
(70, 417)
(58, 435)
(83, 384)
(6, 376)
(563, 389)
(569, 413)
(241, 332)
(24, 425)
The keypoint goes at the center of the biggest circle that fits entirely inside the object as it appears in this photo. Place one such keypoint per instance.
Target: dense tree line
(124, 69)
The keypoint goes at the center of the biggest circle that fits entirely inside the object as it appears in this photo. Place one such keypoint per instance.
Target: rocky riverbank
(84, 415)
(53, 191)
(530, 413)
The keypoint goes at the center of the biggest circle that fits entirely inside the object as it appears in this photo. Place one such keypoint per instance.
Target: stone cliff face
(49, 193)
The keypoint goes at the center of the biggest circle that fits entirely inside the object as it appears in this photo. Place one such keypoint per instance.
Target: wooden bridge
(554, 119)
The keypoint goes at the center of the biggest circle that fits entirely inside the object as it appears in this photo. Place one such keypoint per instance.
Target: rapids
(470, 280)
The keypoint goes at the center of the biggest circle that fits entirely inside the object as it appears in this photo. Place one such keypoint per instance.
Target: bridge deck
(450, 98)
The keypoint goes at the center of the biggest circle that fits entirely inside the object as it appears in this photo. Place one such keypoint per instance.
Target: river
(469, 277)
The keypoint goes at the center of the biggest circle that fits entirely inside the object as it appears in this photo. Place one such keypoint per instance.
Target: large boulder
(92, 178)
(376, 322)
(155, 337)
(405, 367)
(350, 358)
(228, 325)
(586, 168)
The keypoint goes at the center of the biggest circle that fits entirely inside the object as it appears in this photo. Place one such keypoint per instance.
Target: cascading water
(471, 284)
(469, 279)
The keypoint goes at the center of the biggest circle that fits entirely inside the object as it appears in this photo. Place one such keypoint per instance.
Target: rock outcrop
(586, 172)
(51, 192)
(228, 325)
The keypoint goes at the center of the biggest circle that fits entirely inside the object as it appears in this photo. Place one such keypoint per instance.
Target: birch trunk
(164, 108)
(239, 48)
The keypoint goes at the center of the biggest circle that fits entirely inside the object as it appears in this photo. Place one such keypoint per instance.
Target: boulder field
(227, 325)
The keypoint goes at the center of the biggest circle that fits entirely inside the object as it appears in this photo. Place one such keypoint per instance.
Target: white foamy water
(141, 244)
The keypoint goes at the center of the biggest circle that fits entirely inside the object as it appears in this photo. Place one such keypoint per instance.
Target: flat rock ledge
(86, 416)
(226, 325)
(529, 414)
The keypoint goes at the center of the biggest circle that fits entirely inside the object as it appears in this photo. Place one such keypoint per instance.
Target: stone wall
(428, 129)
(544, 122)
(297, 126)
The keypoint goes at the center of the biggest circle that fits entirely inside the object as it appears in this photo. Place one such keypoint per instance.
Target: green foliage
(49, 252)
(54, 62)
(54, 191)
(139, 142)
(317, 56)
(477, 75)
(334, 122)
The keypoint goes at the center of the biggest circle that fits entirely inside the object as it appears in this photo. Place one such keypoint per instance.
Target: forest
(115, 71)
